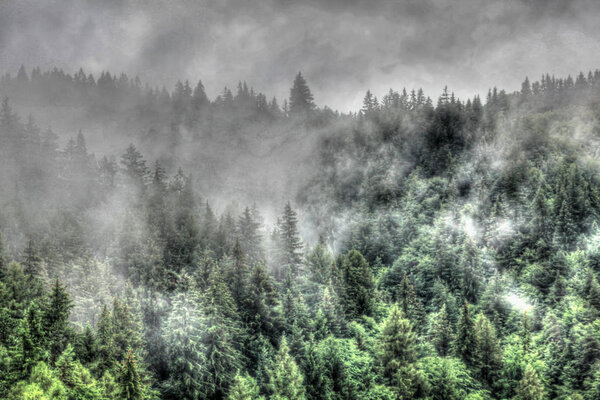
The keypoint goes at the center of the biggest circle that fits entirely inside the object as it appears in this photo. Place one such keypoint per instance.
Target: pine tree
(287, 382)
(488, 355)
(470, 266)
(409, 304)
(397, 343)
(184, 239)
(441, 331)
(301, 98)
(56, 319)
(134, 166)
(464, 342)
(32, 262)
(397, 356)
(185, 353)
(289, 241)
(566, 231)
(208, 228)
(238, 276)
(249, 236)
(9, 121)
(129, 379)
(32, 339)
(263, 302)
(592, 386)
(331, 312)
(75, 377)
(530, 387)
(244, 387)
(219, 338)
(199, 98)
(320, 262)
(358, 286)
(370, 104)
(106, 341)
(127, 324)
(593, 293)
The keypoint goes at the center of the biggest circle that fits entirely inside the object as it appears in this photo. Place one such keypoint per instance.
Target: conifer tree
(244, 387)
(488, 356)
(289, 241)
(358, 286)
(370, 104)
(249, 236)
(397, 355)
(238, 276)
(331, 311)
(464, 343)
(185, 352)
(56, 319)
(32, 262)
(471, 271)
(131, 387)
(301, 98)
(127, 323)
(397, 343)
(134, 166)
(320, 262)
(262, 308)
(106, 341)
(409, 304)
(219, 338)
(441, 331)
(287, 382)
(530, 387)
(31, 339)
(593, 293)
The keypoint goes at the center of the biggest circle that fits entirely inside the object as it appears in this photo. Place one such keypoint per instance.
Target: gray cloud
(342, 47)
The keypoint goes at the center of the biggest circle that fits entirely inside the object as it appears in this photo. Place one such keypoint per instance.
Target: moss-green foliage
(458, 253)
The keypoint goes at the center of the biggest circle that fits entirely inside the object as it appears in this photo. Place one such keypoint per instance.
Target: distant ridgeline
(429, 250)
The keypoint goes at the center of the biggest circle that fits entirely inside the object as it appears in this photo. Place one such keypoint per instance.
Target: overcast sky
(342, 47)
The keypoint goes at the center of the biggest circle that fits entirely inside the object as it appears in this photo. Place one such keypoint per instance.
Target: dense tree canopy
(443, 249)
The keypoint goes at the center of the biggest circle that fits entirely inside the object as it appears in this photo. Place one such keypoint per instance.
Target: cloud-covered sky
(343, 47)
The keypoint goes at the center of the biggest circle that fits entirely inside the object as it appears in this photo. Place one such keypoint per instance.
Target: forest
(418, 248)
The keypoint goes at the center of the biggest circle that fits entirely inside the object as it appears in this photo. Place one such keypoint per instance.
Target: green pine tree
(130, 385)
(488, 354)
(530, 387)
(56, 319)
(442, 332)
(397, 344)
(287, 382)
(358, 286)
(464, 342)
(244, 387)
(185, 352)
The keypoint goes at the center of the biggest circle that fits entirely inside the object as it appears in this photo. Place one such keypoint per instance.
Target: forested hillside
(420, 249)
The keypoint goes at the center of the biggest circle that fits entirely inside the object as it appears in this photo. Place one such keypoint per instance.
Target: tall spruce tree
(464, 342)
(441, 331)
(530, 387)
(130, 384)
(244, 387)
(287, 382)
(185, 352)
(290, 244)
(56, 319)
(358, 285)
(301, 99)
(488, 355)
